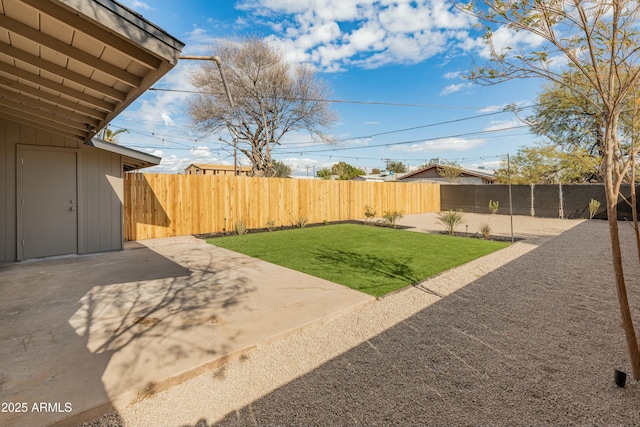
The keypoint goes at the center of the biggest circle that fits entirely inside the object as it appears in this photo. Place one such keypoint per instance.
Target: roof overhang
(131, 159)
(70, 66)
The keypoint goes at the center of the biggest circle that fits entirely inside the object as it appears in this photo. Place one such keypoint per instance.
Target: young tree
(324, 173)
(271, 98)
(600, 43)
(451, 172)
(345, 171)
(396, 167)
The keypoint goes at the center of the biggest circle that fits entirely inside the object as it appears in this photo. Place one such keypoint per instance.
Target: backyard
(373, 260)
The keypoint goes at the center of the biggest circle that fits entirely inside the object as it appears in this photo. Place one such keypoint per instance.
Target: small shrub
(271, 225)
(450, 219)
(594, 205)
(485, 230)
(494, 205)
(240, 227)
(369, 212)
(391, 217)
(301, 222)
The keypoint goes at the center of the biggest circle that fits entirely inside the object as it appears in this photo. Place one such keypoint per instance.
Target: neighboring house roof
(377, 177)
(465, 172)
(131, 159)
(219, 167)
(70, 66)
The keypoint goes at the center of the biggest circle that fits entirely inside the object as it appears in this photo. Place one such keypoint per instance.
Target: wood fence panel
(163, 205)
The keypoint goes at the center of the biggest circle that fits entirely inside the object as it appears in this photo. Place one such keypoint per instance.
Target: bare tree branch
(271, 97)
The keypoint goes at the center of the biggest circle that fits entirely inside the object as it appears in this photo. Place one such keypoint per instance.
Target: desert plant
(390, 218)
(450, 219)
(494, 206)
(594, 205)
(369, 212)
(240, 227)
(485, 230)
(271, 225)
(301, 222)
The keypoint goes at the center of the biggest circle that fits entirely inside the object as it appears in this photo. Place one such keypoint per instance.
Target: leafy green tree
(324, 173)
(547, 164)
(345, 171)
(566, 120)
(600, 43)
(396, 167)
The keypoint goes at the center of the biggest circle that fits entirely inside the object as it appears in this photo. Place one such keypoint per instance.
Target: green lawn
(373, 260)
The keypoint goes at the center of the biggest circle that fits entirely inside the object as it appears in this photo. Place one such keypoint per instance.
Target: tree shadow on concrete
(103, 330)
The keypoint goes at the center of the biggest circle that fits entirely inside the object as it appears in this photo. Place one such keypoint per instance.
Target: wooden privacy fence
(163, 205)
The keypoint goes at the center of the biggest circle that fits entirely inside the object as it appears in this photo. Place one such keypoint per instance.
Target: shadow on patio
(104, 331)
(85, 334)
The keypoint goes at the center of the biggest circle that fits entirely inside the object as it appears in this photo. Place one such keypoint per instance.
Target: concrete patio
(86, 335)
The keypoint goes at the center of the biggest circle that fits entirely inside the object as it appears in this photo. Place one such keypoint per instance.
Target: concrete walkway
(86, 335)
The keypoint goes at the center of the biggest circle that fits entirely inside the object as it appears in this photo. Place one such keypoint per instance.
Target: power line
(446, 122)
(156, 135)
(413, 141)
(338, 101)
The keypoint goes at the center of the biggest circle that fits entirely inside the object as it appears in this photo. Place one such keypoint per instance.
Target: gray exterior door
(49, 202)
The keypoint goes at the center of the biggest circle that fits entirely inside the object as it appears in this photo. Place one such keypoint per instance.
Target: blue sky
(400, 62)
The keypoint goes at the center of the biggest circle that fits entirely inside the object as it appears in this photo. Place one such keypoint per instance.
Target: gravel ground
(529, 335)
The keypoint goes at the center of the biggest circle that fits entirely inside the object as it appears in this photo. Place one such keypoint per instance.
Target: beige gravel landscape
(529, 335)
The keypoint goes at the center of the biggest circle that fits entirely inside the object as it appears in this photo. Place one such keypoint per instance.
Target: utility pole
(218, 62)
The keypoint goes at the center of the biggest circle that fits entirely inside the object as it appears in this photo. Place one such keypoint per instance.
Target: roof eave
(131, 159)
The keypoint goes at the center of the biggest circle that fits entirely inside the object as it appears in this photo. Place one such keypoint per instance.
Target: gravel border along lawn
(529, 335)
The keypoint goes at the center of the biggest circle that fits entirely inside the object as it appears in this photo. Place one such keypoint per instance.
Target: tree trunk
(616, 254)
(634, 212)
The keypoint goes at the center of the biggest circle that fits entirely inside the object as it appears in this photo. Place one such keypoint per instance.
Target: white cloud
(137, 5)
(504, 38)
(301, 166)
(443, 144)
(452, 75)
(170, 164)
(489, 165)
(166, 118)
(455, 88)
(333, 34)
(493, 108)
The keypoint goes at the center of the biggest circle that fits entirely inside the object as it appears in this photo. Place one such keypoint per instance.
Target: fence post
(532, 212)
(561, 210)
